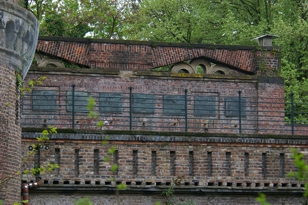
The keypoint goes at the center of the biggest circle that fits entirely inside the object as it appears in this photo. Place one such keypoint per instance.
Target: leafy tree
(186, 21)
(77, 18)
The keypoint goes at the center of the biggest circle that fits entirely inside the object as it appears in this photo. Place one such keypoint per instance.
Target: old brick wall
(10, 137)
(264, 101)
(134, 55)
(155, 84)
(231, 164)
(271, 107)
(202, 161)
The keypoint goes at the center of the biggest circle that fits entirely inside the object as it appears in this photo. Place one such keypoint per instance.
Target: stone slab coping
(154, 44)
(136, 189)
(88, 71)
(144, 136)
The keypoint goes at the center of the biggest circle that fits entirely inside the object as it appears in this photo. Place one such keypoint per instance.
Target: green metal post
(240, 111)
(73, 106)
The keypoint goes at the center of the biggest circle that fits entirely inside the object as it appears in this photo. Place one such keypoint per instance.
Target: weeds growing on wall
(100, 123)
(23, 88)
(33, 171)
(83, 201)
(170, 195)
(301, 175)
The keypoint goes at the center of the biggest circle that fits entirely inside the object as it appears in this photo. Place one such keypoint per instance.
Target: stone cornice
(286, 140)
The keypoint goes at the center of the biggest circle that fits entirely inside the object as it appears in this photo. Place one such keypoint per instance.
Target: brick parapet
(251, 173)
(133, 56)
(143, 136)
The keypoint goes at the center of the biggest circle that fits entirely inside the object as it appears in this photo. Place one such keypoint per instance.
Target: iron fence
(187, 112)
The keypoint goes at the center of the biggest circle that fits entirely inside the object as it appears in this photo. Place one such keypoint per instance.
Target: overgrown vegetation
(22, 169)
(170, 195)
(43, 139)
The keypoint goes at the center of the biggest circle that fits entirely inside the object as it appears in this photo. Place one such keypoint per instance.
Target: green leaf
(121, 186)
(100, 124)
(262, 199)
(114, 168)
(112, 150)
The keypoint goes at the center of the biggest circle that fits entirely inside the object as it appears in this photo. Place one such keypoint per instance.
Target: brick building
(215, 120)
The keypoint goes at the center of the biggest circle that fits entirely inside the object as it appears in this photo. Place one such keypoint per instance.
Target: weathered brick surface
(228, 164)
(259, 177)
(132, 55)
(257, 173)
(10, 137)
(264, 101)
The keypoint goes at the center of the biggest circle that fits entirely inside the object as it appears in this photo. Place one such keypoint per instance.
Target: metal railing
(213, 113)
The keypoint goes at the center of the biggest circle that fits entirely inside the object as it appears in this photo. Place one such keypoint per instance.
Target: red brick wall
(264, 101)
(262, 173)
(131, 55)
(10, 137)
(263, 162)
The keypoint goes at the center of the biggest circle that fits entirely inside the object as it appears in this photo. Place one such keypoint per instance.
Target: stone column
(18, 39)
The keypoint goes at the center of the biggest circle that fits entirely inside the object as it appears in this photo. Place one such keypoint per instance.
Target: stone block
(144, 103)
(232, 107)
(174, 105)
(205, 106)
(110, 103)
(80, 101)
(44, 100)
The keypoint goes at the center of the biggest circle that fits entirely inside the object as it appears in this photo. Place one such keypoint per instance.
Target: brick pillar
(18, 38)
(271, 105)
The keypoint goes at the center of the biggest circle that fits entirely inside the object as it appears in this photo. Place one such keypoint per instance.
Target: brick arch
(140, 56)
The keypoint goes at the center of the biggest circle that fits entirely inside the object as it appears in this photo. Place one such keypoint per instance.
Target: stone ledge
(150, 74)
(144, 136)
(90, 189)
(155, 44)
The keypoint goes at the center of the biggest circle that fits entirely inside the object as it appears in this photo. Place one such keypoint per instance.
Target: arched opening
(219, 72)
(183, 71)
(51, 65)
(201, 69)
(200, 65)
(182, 68)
